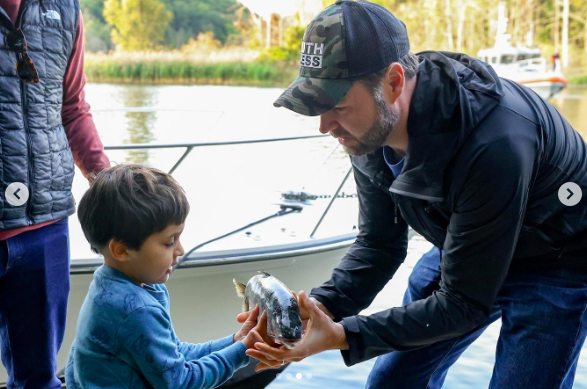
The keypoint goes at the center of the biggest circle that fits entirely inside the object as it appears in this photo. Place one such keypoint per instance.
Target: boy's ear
(118, 250)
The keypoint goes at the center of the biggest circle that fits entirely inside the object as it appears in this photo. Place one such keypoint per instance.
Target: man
(474, 163)
(555, 59)
(45, 126)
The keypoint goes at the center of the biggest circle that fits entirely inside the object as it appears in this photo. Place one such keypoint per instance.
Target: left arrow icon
(17, 194)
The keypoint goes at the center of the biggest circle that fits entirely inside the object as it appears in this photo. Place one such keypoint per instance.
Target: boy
(133, 216)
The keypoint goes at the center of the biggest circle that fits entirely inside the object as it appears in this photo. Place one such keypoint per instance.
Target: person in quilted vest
(45, 127)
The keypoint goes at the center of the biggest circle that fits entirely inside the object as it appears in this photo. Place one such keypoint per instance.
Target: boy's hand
(249, 322)
(254, 335)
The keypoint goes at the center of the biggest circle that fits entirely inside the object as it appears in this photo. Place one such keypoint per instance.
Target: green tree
(93, 8)
(96, 30)
(192, 17)
(137, 24)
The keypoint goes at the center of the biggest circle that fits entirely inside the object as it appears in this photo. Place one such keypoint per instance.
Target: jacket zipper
(429, 208)
(394, 197)
(30, 152)
(422, 223)
(23, 100)
(440, 262)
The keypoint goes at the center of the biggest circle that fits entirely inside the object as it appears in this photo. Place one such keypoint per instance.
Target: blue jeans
(34, 285)
(544, 324)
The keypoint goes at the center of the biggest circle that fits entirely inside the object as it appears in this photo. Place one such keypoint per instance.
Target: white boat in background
(300, 244)
(523, 65)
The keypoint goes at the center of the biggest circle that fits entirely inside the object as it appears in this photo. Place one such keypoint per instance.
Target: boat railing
(190, 146)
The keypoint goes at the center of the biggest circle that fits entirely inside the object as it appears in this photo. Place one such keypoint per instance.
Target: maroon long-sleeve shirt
(84, 141)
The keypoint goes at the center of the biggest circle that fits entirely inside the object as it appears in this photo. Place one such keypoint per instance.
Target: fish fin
(240, 288)
(265, 273)
(246, 305)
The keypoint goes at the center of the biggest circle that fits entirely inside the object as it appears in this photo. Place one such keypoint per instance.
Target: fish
(284, 324)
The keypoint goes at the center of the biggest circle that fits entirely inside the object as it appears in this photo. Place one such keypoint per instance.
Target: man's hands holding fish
(320, 334)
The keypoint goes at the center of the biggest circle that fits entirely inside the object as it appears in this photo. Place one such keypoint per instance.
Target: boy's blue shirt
(125, 339)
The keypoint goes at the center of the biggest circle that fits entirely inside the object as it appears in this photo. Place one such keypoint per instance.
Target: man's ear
(393, 82)
(118, 250)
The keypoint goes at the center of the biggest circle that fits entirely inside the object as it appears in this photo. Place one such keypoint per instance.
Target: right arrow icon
(570, 194)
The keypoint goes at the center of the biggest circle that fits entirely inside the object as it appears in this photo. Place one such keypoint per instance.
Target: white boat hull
(545, 89)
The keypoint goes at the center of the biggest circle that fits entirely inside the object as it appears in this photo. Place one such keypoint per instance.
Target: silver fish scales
(284, 325)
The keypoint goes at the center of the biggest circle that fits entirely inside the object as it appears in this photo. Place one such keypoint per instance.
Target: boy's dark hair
(128, 203)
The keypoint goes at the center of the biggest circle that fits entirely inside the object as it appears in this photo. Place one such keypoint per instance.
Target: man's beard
(376, 135)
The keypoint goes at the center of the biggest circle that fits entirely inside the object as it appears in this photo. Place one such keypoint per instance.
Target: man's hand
(322, 308)
(305, 315)
(321, 334)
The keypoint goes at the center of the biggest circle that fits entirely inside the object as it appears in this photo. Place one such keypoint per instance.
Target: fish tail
(240, 288)
(240, 291)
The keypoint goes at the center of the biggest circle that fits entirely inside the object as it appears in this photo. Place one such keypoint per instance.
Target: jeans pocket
(8, 259)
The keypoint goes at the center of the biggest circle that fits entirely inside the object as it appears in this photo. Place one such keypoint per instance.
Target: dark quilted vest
(34, 149)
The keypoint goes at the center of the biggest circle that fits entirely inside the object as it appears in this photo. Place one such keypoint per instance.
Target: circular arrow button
(17, 194)
(570, 194)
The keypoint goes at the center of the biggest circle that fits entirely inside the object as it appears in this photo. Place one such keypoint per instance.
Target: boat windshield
(507, 59)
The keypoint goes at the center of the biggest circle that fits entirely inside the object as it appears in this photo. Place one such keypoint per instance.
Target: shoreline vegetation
(578, 80)
(179, 68)
(244, 68)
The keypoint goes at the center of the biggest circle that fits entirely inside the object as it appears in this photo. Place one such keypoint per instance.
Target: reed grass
(582, 79)
(161, 68)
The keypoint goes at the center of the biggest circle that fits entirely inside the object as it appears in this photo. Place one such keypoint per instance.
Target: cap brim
(313, 96)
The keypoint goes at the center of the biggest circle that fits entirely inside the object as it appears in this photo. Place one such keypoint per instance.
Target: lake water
(239, 180)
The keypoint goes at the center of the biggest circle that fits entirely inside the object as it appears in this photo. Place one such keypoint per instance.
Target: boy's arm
(146, 334)
(199, 350)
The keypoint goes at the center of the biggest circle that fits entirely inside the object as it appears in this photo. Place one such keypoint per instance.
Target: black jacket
(485, 161)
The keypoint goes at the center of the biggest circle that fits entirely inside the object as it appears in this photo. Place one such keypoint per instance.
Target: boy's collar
(150, 288)
(110, 272)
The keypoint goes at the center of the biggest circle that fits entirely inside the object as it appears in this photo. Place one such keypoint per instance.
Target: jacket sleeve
(372, 260)
(147, 336)
(199, 350)
(480, 241)
(83, 137)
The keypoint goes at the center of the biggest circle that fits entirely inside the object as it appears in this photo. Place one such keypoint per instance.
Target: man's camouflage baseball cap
(346, 41)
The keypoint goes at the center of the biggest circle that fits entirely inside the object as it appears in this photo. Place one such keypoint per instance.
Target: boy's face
(153, 262)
